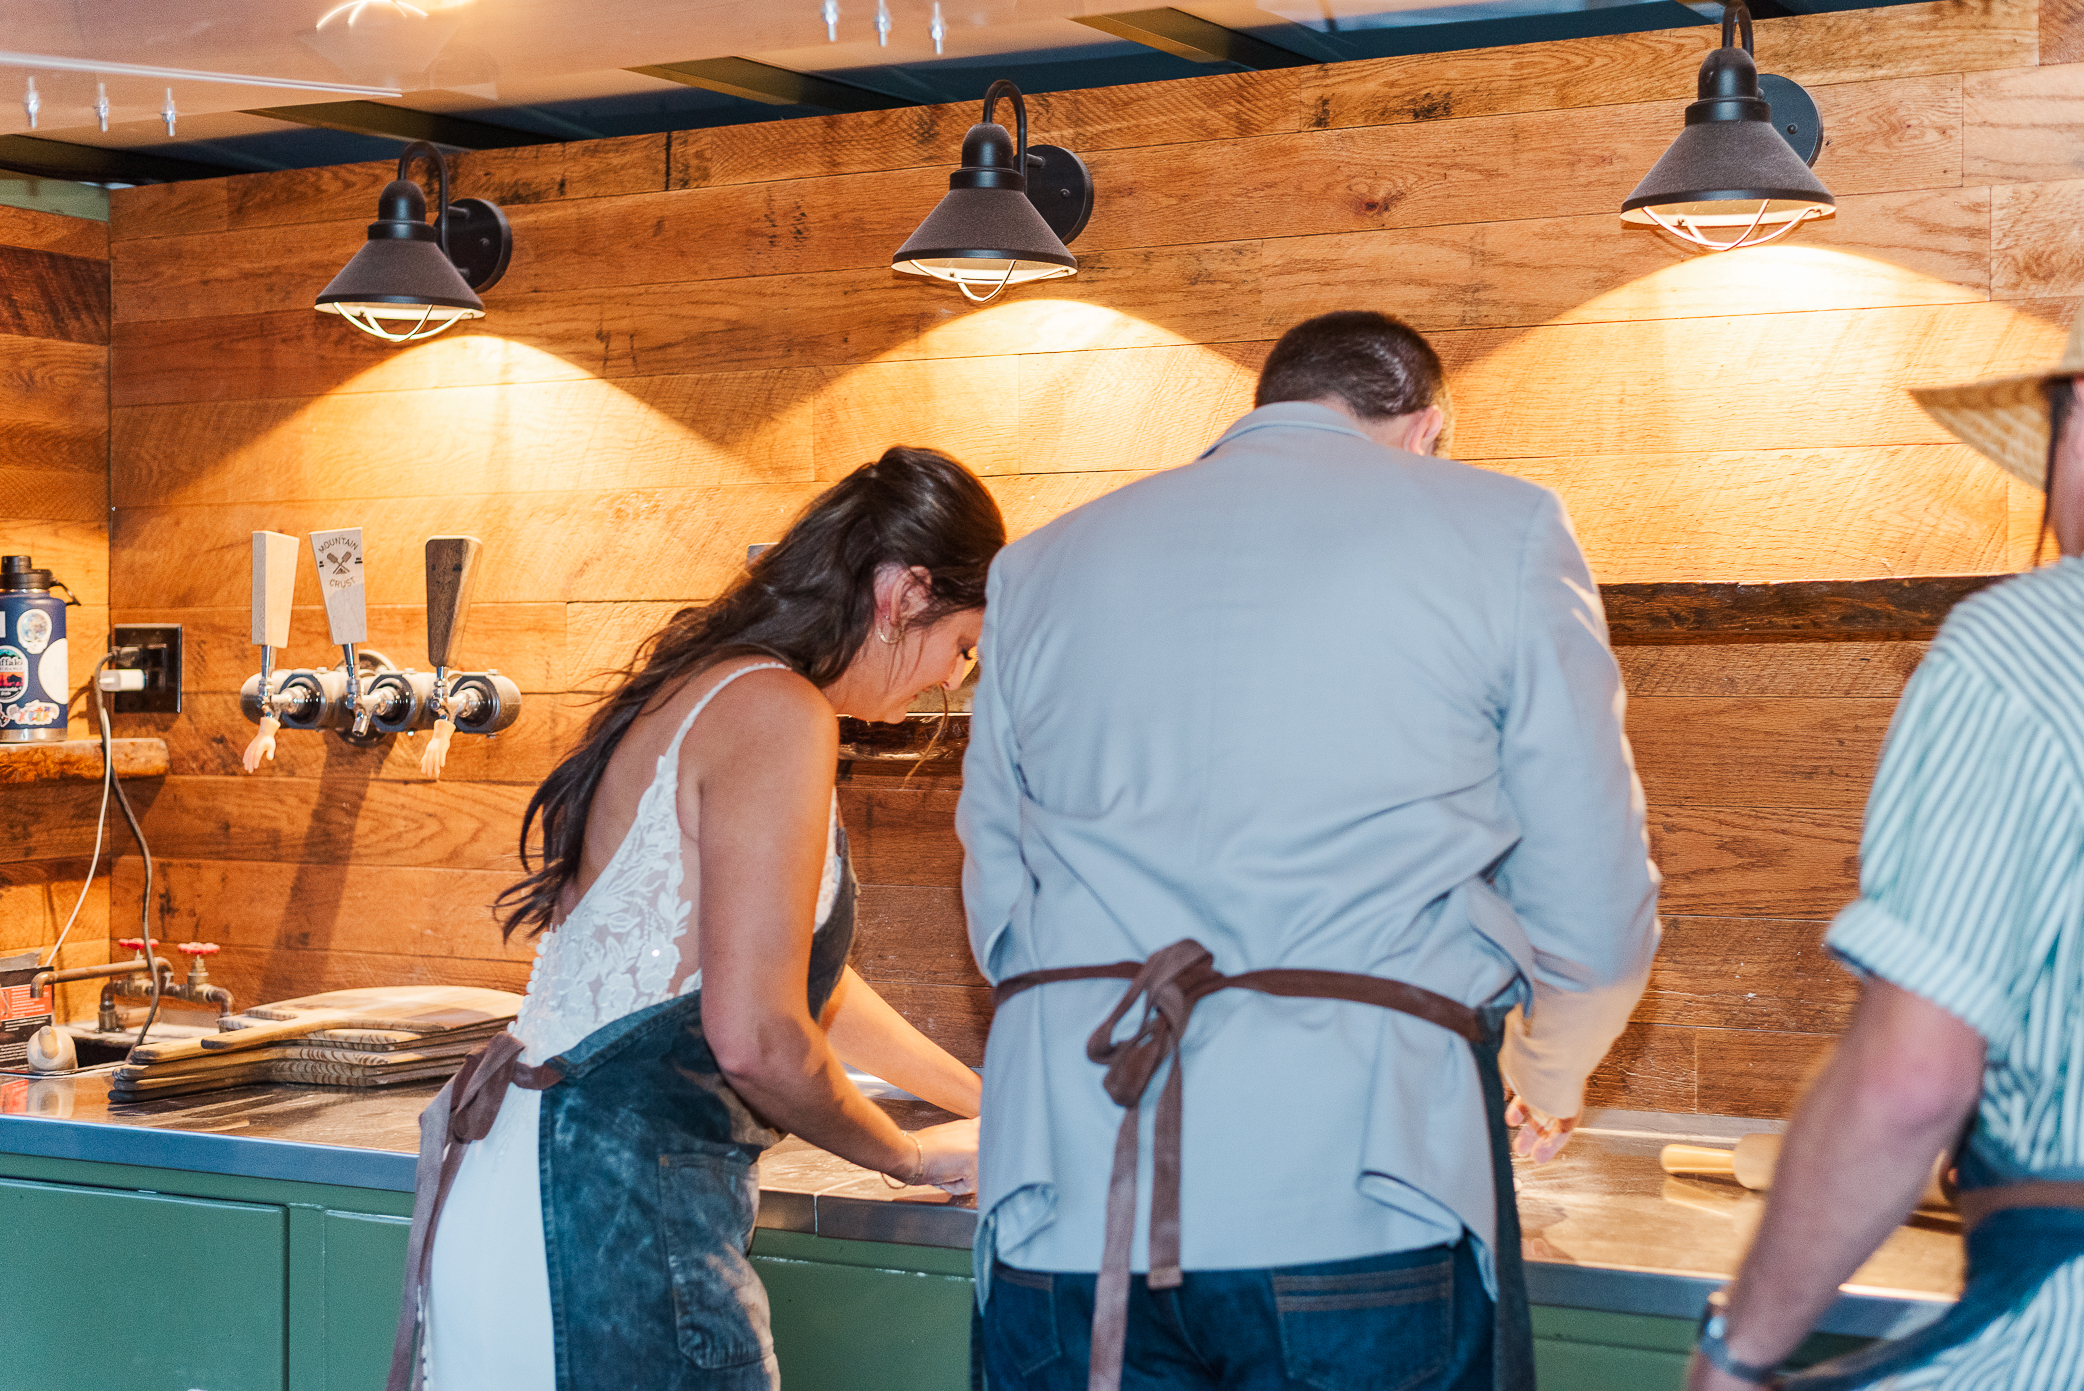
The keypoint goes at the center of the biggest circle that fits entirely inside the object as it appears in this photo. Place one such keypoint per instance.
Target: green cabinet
(165, 1280)
(130, 1291)
(137, 1279)
(864, 1315)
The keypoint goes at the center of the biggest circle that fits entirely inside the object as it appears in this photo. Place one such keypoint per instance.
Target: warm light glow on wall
(1713, 390)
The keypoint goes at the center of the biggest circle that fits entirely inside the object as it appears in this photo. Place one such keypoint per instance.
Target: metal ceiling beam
(1198, 41)
(763, 82)
(401, 123)
(57, 159)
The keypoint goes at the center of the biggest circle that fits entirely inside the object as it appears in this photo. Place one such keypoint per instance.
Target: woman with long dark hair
(690, 1001)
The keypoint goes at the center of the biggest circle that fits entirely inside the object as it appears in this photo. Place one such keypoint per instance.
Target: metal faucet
(123, 982)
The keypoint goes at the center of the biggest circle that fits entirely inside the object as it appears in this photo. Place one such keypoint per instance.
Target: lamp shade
(1730, 166)
(412, 279)
(985, 230)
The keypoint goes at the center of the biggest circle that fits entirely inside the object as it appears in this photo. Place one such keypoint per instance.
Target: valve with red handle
(136, 944)
(196, 952)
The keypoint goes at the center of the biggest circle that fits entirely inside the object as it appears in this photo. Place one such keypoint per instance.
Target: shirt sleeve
(987, 818)
(1580, 877)
(1969, 854)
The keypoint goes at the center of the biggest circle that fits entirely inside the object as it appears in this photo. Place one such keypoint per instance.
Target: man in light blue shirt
(1316, 701)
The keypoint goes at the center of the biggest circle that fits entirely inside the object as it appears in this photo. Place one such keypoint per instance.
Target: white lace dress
(488, 1304)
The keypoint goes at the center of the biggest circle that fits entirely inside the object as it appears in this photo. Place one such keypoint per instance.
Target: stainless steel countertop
(1605, 1228)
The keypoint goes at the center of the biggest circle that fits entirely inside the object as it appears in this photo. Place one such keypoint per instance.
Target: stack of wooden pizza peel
(377, 1037)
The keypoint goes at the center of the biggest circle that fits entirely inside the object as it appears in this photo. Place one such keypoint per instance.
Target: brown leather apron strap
(1170, 984)
(1978, 1204)
(462, 1112)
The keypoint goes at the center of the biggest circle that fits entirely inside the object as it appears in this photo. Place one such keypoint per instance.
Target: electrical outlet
(158, 657)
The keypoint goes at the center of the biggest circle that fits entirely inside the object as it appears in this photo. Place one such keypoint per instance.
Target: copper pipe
(115, 968)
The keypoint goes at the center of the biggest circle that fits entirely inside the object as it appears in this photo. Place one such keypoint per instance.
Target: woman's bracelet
(918, 1173)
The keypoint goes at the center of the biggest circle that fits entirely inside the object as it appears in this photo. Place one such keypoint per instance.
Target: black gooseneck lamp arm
(420, 149)
(1734, 13)
(1004, 88)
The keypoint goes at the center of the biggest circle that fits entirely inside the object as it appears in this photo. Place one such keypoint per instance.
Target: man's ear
(1424, 431)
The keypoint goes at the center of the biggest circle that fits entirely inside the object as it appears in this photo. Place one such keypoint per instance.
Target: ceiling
(365, 75)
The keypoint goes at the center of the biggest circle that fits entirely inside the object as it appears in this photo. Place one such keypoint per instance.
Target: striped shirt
(1972, 896)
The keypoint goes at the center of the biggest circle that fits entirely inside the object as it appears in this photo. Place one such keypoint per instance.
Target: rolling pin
(1752, 1162)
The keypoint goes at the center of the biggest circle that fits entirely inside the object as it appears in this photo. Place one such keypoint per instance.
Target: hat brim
(2006, 421)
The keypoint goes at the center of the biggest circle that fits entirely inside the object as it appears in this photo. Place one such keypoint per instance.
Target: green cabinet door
(126, 1291)
(364, 1280)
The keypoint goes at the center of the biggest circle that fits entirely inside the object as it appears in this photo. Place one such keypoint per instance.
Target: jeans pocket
(707, 1202)
(1367, 1330)
(1020, 1328)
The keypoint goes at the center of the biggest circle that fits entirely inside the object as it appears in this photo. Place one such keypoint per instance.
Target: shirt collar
(1296, 415)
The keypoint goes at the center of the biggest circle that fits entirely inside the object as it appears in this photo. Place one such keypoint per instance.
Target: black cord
(108, 762)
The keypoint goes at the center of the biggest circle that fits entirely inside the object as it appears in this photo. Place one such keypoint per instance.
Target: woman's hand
(1541, 1137)
(948, 1155)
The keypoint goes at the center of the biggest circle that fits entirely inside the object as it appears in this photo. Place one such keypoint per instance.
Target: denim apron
(649, 1193)
(2011, 1253)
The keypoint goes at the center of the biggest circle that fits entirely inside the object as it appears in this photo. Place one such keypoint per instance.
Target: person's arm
(869, 1034)
(1972, 827)
(987, 819)
(1859, 1153)
(1580, 878)
(764, 795)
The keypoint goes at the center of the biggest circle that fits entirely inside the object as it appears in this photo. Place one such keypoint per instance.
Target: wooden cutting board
(283, 1070)
(435, 1048)
(419, 1009)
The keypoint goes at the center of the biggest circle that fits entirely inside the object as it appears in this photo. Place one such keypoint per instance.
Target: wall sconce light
(1008, 211)
(421, 277)
(1748, 140)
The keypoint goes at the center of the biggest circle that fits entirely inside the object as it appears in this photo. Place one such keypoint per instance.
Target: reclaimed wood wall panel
(291, 928)
(1849, 47)
(700, 330)
(37, 899)
(54, 500)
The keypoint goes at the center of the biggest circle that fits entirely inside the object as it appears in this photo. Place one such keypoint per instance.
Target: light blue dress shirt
(1314, 703)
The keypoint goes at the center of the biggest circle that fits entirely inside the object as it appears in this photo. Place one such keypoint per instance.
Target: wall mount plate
(1794, 114)
(159, 658)
(1061, 188)
(480, 241)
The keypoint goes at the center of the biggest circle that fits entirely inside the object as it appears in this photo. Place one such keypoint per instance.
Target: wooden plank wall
(700, 330)
(54, 498)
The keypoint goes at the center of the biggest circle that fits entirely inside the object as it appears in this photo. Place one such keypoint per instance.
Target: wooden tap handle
(274, 587)
(452, 570)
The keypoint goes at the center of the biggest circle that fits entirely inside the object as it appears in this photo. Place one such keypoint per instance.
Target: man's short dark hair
(1374, 365)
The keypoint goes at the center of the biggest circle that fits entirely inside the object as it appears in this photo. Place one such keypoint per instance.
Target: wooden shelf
(79, 760)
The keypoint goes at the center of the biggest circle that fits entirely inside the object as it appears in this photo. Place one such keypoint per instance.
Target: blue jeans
(1409, 1321)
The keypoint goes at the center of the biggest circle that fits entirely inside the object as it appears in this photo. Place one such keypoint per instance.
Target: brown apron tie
(462, 1112)
(1171, 983)
(1979, 1204)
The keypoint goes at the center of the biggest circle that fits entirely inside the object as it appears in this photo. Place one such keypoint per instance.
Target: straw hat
(2006, 420)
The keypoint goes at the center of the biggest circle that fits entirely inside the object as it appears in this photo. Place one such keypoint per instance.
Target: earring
(885, 637)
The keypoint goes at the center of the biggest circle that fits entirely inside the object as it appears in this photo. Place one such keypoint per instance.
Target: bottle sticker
(54, 672)
(34, 630)
(14, 673)
(35, 713)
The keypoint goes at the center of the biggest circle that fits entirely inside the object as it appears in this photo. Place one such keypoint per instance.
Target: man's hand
(1541, 1137)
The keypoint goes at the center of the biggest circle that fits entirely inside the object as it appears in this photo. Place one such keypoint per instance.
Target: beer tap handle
(274, 587)
(338, 555)
(452, 573)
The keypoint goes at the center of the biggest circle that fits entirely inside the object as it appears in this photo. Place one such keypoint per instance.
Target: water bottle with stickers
(35, 675)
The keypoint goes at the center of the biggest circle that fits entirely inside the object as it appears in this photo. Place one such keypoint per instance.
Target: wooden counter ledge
(79, 760)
